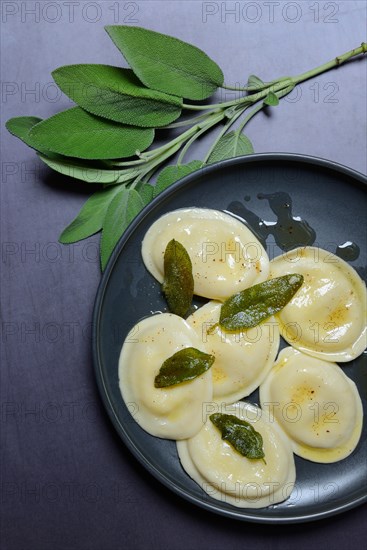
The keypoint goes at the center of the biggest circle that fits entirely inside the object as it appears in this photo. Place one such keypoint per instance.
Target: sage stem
(211, 123)
(331, 64)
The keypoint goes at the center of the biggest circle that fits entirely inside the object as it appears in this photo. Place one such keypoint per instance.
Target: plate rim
(238, 514)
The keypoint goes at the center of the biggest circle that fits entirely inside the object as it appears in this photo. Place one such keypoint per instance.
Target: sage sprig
(107, 137)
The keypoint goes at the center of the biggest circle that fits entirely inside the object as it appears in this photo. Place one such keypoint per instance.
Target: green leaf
(240, 434)
(170, 174)
(167, 64)
(76, 133)
(255, 83)
(231, 145)
(146, 192)
(250, 307)
(90, 218)
(82, 171)
(178, 284)
(271, 99)
(123, 208)
(117, 94)
(184, 365)
(20, 127)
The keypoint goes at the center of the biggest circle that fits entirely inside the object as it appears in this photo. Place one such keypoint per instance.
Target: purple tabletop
(67, 480)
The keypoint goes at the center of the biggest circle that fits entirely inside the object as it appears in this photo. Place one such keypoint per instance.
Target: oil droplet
(247, 198)
(289, 231)
(348, 251)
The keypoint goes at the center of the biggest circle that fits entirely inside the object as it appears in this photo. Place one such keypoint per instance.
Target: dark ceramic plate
(332, 199)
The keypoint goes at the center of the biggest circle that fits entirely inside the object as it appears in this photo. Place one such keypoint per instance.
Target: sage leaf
(20, 127)
(178, 284)
(231, 145)
(182, 366)
(240, 434)
(170, 174)
(255, 83)
(90, 218)
(166, 63)
(76, 133)
(271, 99)
(81, 171)
(253, 305)
(123, 208)
(117, 94)
(146, 192)
(128, 175)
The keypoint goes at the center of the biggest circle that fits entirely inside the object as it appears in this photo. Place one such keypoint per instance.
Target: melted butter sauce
(289, 231)
(348, 251)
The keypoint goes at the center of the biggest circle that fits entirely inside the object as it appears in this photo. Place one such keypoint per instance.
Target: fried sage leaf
(253, 305)
(178, 284)
(240, 434)
(182, 366)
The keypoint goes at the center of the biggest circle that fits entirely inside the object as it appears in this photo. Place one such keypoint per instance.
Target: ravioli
(225, 255)
(327, 317)
(174, 412)
(242, 359)
(316, 404)
(228, 476)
